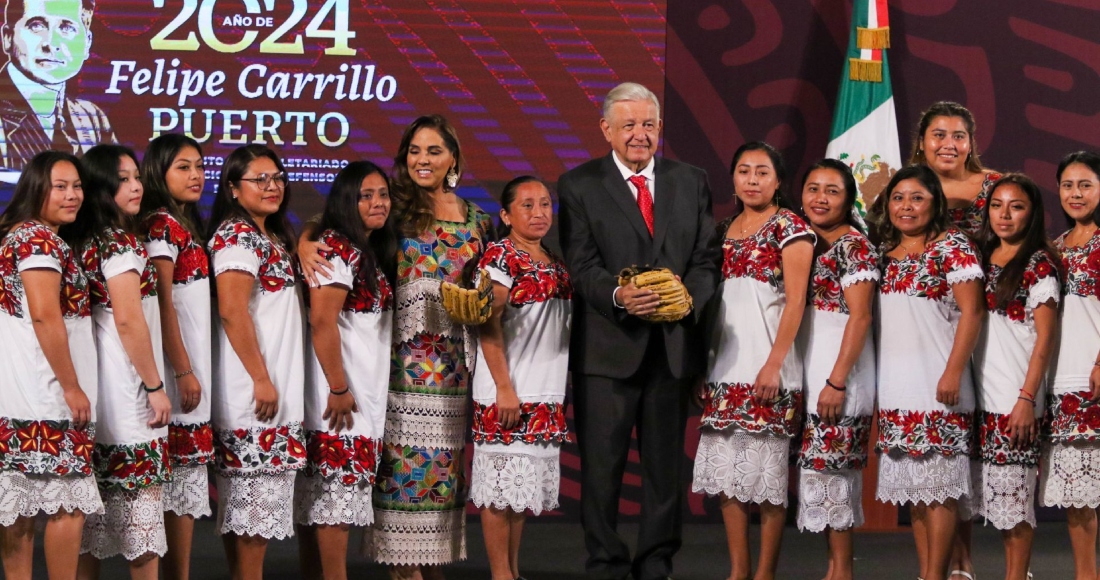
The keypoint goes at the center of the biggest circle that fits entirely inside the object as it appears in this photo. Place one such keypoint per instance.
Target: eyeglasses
(264, 180)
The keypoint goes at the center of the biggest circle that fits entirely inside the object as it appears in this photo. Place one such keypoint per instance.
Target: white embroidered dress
(45, 463)
(744, 446)
(255, 461)
(832, 456)
(190, 435)
(336, 485)
(519, 468)
(1006, 491)
(1071, 461)
(925, 445)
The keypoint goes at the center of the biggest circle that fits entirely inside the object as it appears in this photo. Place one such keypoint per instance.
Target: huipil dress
(131, 458)
(337, 483)
(419, 494)
(924, 444)
(744, 447)
(519, 468)
(1005, 493)
(255, 461)
(45, 463)
(190, 435)
(969, 219)
(832, 457)
(1071, 458)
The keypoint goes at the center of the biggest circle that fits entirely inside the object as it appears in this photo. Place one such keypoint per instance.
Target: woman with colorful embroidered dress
(1071, 461)
(839, 363)
(1010, 361)
(259, 378)
(520, 377)
(932, 288)
(753, 395)
(133, 410)
(351, 315)
(48, 386)
(173, 174)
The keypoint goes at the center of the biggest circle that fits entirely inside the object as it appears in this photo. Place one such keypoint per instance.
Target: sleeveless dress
(131, 458)
(744, 447)
(255, 461)
(45, 463)
(519, 468)
(1006, 494)
(1071, 460)
(190, 435)
(832, 456)
(924, 444)
(336, 485)
(419, 495)
(969, 219)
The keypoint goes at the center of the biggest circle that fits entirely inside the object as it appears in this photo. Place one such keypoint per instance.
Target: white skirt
(256, 505)
(747, 467)
(933, 478)
(187, 493)
(517, 476)
(1071, 475)
(132, 525)
(25, 496)
(326, 501)
(830, 500)
(1007, 495)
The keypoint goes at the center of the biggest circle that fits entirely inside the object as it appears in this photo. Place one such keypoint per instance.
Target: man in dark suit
(631, 208)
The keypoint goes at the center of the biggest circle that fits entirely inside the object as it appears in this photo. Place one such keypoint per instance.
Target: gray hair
(629, 92)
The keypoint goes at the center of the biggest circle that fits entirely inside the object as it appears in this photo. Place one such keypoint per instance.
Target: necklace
(745, 221)
(907, 247)
(1086, 238)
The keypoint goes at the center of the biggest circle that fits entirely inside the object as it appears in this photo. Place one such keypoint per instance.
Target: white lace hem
(256, 505)
(1007, 495)
(859, 276)
(748, 467)
(401, 538)
(1043, 290)
(425, 420)
(830, 500)
(1071, 475)
(929, 479)
(25, 496)
(516, 479)
(326, 501)
(132, 525)
(965, 275)
(419, 309)
(187, 493)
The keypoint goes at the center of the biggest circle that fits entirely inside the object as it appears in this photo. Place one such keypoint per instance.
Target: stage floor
(556, 551)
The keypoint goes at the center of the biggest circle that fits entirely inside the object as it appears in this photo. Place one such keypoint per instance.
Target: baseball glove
(469, 307)
(675, 301)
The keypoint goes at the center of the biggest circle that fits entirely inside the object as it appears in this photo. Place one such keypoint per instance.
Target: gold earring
(452, 178)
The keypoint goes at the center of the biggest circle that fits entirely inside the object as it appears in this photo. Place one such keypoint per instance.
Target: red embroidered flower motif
(30, 240)
(1039, 267)
(925, 276)
(130, 467)
(732, 405)
(276, 271)
(352, 458)
(850, 255)
(919, 433)
(532, 281)
(110, 244)
(360, 298)
(835, 447)
(969, 218)
(538, 422)
(192, 262)
(995, 446)
(260, 449)
(1081, 265)
(760, 256)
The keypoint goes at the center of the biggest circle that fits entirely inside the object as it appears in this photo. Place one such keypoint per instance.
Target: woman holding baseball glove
(753, 395)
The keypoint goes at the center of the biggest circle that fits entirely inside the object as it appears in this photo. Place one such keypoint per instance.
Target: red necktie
(645, 200)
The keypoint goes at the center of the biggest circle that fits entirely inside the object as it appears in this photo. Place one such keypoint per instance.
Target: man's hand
(637, 301)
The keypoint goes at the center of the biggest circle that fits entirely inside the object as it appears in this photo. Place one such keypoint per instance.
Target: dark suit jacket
(602, 231)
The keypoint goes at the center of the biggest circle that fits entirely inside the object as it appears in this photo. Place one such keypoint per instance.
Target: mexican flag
(865, 128)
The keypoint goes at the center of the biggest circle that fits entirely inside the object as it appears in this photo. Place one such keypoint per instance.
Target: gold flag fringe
(865, 70)
(873, 38)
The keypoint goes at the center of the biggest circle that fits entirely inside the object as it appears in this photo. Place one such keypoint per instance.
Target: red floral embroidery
(131, 467)
(276, 270)
(30, 239)
(352, 458)
(842, 445)
(850, 255)
(360, 298)
(1040, 267)
(760, 256)
(190, 444)
(192, 263)
(538, 422)
(270, 450)
(733, 405)
(925, 276)
(532, 281)
(920, 433)
(1073, 417)
(1081, 266)
(45, 447)
(969, 218)
(102, 248)
(996, 448)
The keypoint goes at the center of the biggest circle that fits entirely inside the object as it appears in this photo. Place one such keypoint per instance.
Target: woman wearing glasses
(258, 381)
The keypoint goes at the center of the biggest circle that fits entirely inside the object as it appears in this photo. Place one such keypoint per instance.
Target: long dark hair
(1088, 159)
(227, 207)
(508, 196)
(412, 205)
(888, 235)
(159, 156)
(1035, 238)
(100, 213)
(33, 189)
(342, 214)
(946, 109)
(850, 188)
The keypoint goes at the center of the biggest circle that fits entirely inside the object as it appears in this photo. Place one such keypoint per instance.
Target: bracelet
(1026, 395)
(346, 389)
(830, 384)
(1022, 398)
(184, 374)
(146, 388)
